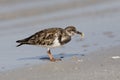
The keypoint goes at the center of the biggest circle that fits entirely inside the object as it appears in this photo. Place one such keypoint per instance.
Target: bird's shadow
(45, 57)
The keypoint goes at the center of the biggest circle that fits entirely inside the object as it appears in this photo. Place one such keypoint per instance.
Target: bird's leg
(51, 57)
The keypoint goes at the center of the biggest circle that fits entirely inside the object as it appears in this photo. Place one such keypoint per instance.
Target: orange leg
(51, 57)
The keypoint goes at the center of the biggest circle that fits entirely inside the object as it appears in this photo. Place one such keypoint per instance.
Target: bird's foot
(54, 60)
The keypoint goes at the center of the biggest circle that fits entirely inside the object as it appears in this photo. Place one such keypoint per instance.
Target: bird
(51, 38)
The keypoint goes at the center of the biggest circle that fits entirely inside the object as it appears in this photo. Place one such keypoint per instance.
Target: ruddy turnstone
(50, 38)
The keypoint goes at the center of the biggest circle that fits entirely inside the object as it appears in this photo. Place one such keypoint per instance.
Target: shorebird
(50, 38)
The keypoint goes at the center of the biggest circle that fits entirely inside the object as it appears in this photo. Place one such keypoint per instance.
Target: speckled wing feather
(44, 37)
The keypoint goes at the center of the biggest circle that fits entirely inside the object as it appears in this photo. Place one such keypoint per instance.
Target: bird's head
(71, 30)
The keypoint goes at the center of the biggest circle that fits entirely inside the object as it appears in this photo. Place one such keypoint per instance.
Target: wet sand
(103, 64)
(98, 19)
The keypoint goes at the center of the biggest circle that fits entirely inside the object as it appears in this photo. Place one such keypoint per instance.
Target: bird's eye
(73, 30)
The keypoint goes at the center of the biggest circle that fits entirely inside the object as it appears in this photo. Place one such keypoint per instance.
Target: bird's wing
(44, 37)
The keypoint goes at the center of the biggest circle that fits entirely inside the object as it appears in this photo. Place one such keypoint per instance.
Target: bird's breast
(65, 40)
(54, 44)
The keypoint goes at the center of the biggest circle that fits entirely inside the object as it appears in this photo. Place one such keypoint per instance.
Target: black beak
(80, 33)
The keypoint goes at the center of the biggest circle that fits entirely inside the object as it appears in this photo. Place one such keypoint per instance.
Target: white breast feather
(56, 43)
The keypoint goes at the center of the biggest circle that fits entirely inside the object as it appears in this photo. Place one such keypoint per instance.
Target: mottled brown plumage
(51, 37)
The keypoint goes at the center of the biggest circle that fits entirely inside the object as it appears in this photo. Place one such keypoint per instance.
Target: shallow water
(99, 20)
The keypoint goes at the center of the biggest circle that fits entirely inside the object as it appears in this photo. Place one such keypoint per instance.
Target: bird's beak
(80, 33)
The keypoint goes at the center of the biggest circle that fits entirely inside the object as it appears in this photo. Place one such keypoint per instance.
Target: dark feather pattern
(48, 36)
(45, 37)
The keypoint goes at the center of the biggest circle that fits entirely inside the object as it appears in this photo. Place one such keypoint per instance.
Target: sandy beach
(96, 57)
(103, 64)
